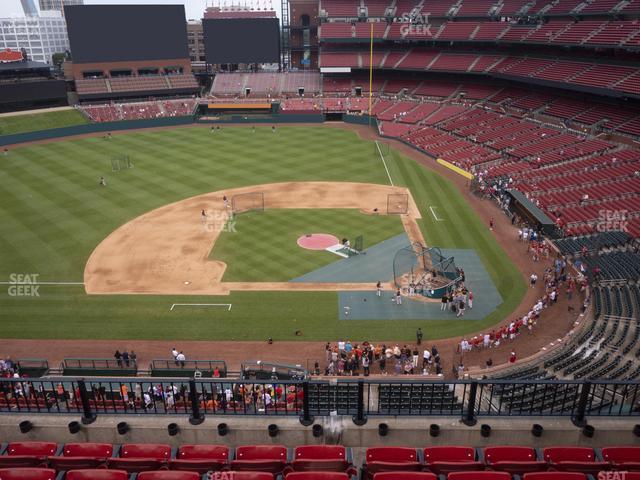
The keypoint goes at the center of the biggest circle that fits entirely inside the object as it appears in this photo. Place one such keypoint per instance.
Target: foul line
(201, 305)
(41, 283)
(434, 215)
(384, 163)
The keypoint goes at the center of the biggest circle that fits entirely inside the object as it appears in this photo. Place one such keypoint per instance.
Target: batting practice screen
(121, 33)
(242, 40)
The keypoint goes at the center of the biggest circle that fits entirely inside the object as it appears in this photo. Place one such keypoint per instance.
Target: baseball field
(54, 216)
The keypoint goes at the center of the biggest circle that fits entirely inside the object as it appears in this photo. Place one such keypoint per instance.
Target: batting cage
(247, 202)
(429, 272)
(397, 203)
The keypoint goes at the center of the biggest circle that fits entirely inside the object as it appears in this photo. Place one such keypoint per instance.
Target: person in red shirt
(512, 356)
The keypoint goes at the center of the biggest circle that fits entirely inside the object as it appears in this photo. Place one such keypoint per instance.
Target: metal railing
(306, 399)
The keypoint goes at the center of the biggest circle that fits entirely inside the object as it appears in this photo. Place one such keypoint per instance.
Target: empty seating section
(264, 84)
(91, 86)
(332, 462)
(474, 8)
(377, 8)
(339, 59)
(457, 30)
(453, 62)
(611, 77)
(340, 8)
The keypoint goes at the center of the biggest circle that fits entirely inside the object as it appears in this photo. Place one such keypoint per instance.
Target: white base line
(384, 163)
(41, 283)
(435, 216)
(201, 305)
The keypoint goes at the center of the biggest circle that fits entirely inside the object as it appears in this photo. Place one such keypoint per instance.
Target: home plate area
(376, 265)
(324, 241)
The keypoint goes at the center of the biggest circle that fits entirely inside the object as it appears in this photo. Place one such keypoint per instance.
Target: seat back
(168, 475)
(391, 454)
(320, 452)
(405, 476)
(203, 452)
(27, 474)
(157, 451)
(101, 450)
(621, 454)
(317, 476)
(449, 454)
(569, 454)
(252, 476)
(554, 476)
(41, 449)
(96, 474)
(262, 452)
(479, 476)
(509, 454)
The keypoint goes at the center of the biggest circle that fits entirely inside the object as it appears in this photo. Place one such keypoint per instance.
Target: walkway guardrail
(306, 399)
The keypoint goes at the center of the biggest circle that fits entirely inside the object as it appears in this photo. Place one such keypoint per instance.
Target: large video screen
(242, 40)
(121, 33)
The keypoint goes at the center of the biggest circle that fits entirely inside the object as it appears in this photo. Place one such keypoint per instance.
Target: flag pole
(370, 72)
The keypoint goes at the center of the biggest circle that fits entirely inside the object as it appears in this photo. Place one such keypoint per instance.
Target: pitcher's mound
(317, 241)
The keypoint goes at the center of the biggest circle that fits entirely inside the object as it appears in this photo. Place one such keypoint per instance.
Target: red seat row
(196, 458)
(512, 460)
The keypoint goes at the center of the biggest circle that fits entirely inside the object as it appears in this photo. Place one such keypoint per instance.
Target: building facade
(58, 4)
(40, 37)
(195, 41)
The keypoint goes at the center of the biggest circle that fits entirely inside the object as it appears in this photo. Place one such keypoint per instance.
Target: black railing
(306, 399)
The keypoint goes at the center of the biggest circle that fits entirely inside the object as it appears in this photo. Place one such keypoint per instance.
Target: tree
(58, 59)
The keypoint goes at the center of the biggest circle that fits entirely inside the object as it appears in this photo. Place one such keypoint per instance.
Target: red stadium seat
(574, 459)
(554, 476)
(388, 459)
(515, 460)
(479, 476)
(27, 454)
(201, 458)
(260, 458)
(27, 474)
(445, 459)
(96, 475)
(81, 455)
(327, 458)
(252, 476)
(405, 476)
(167, 475)
(317, 476)
(622, 458)
(138, 457)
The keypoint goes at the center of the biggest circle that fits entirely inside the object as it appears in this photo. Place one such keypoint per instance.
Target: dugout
(98, 367)
(32, 367)
(187, 368)
(258, 370)
(530, 213)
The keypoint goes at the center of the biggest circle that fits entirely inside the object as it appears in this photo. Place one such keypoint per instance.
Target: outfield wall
(92, 128)
(123, 125)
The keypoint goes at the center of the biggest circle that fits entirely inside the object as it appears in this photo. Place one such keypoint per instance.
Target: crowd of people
(557, 280)
(347, 359)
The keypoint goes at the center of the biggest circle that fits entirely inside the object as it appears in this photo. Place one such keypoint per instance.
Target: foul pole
(370, 71)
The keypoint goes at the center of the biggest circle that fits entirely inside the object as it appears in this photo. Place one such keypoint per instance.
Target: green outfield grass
(40, 121)
(263, 246)
(53, 214)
